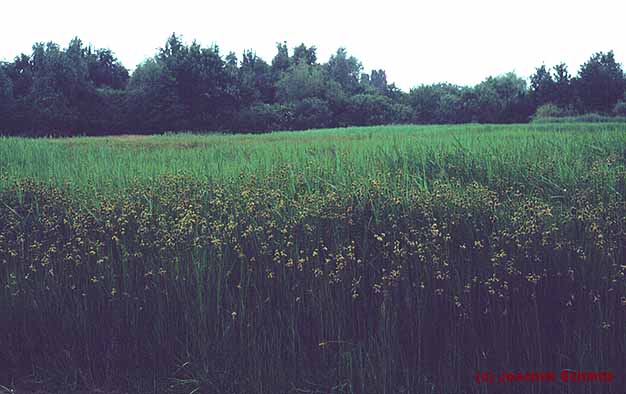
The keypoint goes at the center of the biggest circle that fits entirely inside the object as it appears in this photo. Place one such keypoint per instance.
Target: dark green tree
(255, 80)
(378, 80)
(370, 109)
(152, 102)
(437, 103)
(600, 83)
(193, 80)
(302, 81)
(281, 61)
(266, 117)
(21, 73)
(345, 70)
(302, 54)
(7, 101)
(105, 70)
(542, 87)
(316, 98)
(233, 86)
(502, 99)
(311, 112)
(564, 94)
(61, 90)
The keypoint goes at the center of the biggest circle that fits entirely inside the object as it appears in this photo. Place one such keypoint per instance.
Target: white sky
(458, 41)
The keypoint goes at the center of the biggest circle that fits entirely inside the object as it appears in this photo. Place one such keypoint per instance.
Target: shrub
(620, 109)
(550, 110)
(370, 109)
(265, 117)
(312, 112)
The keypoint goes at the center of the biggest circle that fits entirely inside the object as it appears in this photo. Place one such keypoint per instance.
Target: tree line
(82, 90)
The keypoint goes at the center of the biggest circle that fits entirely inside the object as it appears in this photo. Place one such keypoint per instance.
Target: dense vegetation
(80, 90)
(363, 260)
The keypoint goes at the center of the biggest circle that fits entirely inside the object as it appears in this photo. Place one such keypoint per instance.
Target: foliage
(7, 101)
(304, 55)
(502, 99)
(584, 118)
(345, 70)
(68, 91)
(281, 61)
(601, 83)
(311, 112)
(255, 80)
(564, 85)
(303, 81)
(152, 101)
(105, 70)
(620, 108)
(370, 109)
(550, 110)
(542, 87)
(266, 117)
(438, 103)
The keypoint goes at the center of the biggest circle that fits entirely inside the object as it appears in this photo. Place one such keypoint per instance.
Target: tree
(564, 94)
(193, 82)
(173, 47)
(370, 109)
(542, 87)
(105, 70)
(52, 89)
(600, 83)
(302, 54)
(255, 80)
(61, 90)
(266, 117)
(108, 113)
(378, 80)
(152, 102)
(620, 108)
(437, 103)
(190, 87)
(424, 101)
(74, 74)
(281, 61)
(396, 94)
(302, 81)
(312, 112)
(315, 97)
(551, 110)
(233, 85)
(21, 74)
(345, 70)
(502, 99)
(7, 101)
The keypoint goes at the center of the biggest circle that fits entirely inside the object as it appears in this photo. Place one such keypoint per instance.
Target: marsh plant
(372, 260)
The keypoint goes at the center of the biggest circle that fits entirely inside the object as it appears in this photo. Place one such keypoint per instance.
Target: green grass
(535, 155)
(584, 118)
(360, 260)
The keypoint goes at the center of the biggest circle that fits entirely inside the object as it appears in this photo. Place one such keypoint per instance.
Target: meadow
(396, 259)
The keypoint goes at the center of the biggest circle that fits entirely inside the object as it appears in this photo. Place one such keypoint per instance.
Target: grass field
(360, 260)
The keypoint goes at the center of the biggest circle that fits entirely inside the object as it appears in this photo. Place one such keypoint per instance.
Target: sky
(414, 41)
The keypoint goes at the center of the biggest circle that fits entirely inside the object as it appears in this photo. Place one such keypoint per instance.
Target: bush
(620, 109)
(265, 117)
(107, 113)
(401, 113)
(312, 113)
(584, 118)
(370, 109)
(7, 102)
(550, 110)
